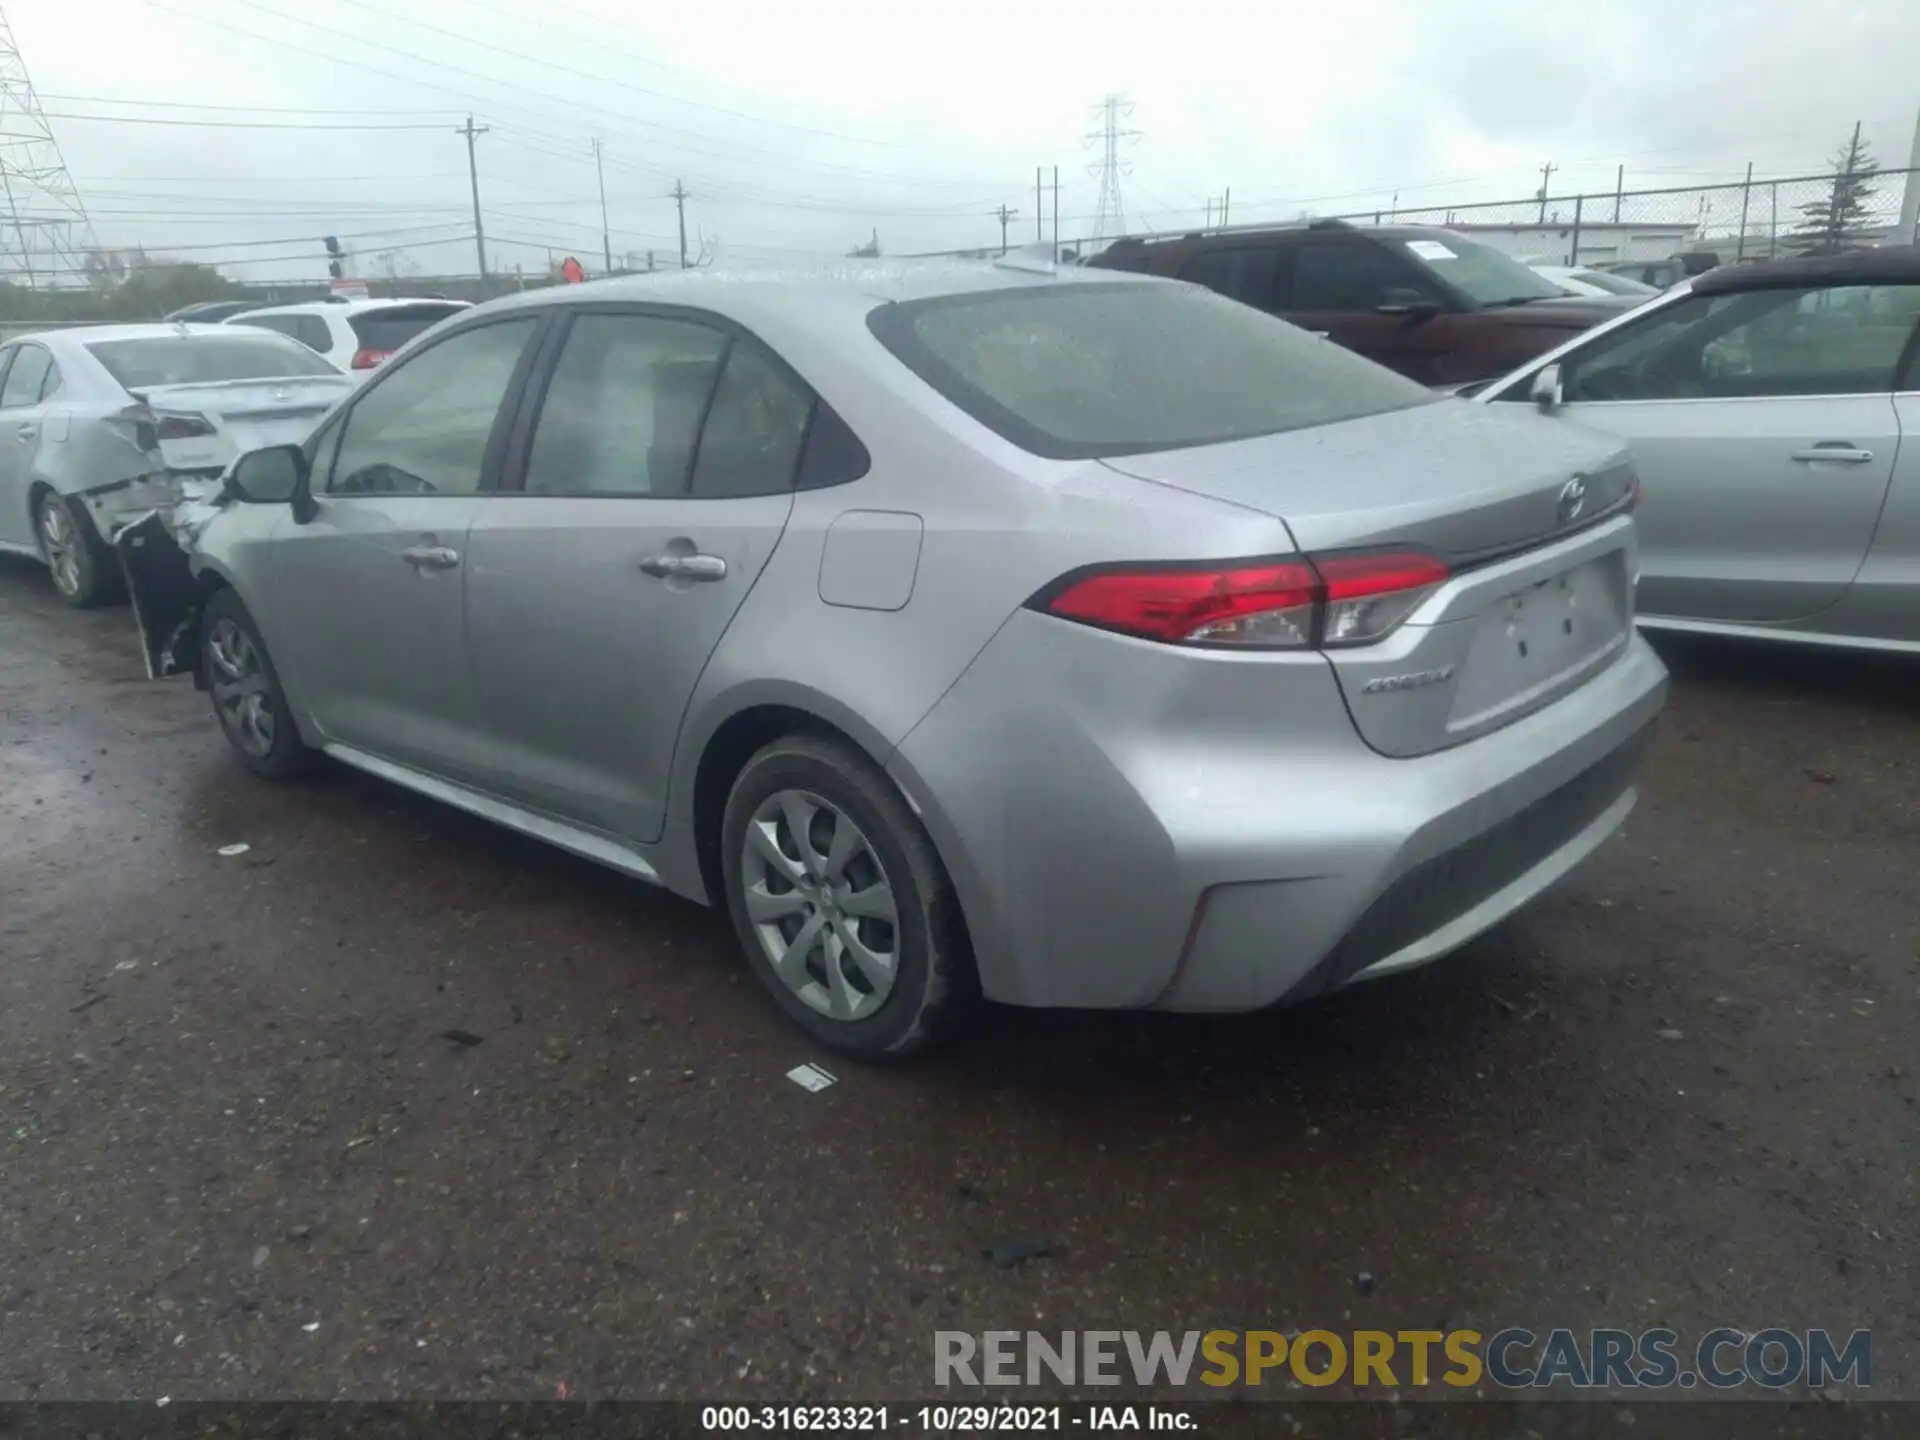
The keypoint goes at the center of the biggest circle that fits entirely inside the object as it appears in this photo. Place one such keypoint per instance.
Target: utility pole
(1056, 212)
(1909, 231)
(1038, 211)
(474, 132)
(680, 202)
(1003, 215)
(606, 236)
(1546, 178)
(1619, 180)
(1226, 203)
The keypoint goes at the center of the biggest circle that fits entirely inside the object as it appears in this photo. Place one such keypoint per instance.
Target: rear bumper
(1119, 842)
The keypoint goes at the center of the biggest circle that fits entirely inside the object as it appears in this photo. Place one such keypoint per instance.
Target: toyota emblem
(1573, 499)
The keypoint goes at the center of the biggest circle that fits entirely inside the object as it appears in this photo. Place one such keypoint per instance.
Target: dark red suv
(1434, 305)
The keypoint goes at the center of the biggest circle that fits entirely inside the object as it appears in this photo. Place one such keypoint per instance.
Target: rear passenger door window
(623, 409)
(1244, 272)
(313, 332)
(1348, 276)
(25, 378)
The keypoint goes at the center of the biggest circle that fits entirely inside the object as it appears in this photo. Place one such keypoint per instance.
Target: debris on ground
(1363, 1282)
(86, 1004)
(229, 851)
(1670, 1034)
(464, 1039)
(1822, 777)
(811, 1077)
(1009, 1253)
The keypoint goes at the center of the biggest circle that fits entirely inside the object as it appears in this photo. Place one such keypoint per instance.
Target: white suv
(353, 334)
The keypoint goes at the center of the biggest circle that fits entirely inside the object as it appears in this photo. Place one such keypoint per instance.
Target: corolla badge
(1573, 499)
(1418, 679)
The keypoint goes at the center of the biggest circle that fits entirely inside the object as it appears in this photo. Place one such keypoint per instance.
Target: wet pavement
(239, 1156)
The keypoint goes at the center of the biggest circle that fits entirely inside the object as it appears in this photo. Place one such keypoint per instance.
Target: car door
(22, 416)
(1765, 431)
(364, 600)
(658, 477)
(1335, 285)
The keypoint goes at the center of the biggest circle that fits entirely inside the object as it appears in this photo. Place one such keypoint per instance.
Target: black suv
(1434, 305)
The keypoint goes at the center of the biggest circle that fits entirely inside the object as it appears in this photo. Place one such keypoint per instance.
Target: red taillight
(1198, 606)
(182, 427)
(367, 359)
(1281, 604)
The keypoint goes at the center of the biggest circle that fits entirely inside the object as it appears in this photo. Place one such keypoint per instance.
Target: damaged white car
(102, 425)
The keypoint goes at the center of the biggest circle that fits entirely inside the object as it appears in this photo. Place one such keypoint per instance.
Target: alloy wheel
(61, 545)
(242, 694)
(821, 904)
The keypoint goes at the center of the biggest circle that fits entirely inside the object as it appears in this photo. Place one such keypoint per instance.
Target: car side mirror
(1408, 303)
(276, 475)
(1546, 389)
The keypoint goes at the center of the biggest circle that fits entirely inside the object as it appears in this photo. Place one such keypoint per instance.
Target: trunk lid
(1540, 600)
(1456, 480)
(205, 426)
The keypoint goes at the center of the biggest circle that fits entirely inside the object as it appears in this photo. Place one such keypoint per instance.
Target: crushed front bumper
(155, 545)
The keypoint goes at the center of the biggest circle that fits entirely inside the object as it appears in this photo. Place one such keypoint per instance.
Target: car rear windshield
(194, 359)
(394, 325)
(1080, 371)
(1483, 275)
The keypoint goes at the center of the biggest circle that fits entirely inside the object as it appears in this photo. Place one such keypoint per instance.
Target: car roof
(152, 330)
(355, 307)
(1886, 265)
(859, 285)
(1237, 233)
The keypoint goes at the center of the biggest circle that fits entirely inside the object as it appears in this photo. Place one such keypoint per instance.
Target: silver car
(1774, 416)
(99, 423)
(1073, 639)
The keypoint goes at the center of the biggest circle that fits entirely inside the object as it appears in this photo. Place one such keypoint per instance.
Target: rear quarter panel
(997, 524)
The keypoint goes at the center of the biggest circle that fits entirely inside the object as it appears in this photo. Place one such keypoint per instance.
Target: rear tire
(245, 689)
(840, 901)
(85, 569)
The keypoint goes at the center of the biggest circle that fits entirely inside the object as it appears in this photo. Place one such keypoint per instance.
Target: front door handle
(431, 557)
(684, 567)
(1834, 452)
(25, 433)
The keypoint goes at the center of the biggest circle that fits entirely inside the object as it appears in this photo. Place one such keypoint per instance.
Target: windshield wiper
(1513, 300)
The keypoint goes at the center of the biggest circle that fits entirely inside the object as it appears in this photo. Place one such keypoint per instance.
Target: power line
(250, 109)
(222, 124)
(737, 153)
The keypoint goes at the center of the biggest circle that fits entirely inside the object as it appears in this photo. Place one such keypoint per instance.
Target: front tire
(840, 901)
(84, 567)
(247, 698)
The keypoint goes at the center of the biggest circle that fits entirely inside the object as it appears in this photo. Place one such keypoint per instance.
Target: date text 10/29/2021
(942, 1419)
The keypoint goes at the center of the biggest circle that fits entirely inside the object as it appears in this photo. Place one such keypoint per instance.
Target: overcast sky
(806, 127)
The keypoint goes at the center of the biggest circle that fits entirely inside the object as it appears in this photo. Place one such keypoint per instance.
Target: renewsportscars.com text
(1515, 1358)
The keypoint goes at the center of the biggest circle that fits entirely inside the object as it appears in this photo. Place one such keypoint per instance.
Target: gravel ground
(239, 1158)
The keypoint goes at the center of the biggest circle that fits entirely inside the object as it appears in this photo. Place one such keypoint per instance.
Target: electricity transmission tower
(44, 231)
(1110, 217)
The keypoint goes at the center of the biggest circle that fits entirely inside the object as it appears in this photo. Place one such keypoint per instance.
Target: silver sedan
(99, 423)
(1774, 416)
(1068, 638)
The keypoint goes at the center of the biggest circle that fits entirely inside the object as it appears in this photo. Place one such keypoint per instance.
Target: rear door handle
(684, 567)
(1834, 452)
(431, 557)
(25, 433)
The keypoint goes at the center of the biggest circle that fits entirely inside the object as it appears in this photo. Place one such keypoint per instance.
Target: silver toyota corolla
(1774, 414)
(1074, 639)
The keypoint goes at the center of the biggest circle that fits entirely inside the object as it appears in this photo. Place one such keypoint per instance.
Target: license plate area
(1540, 639)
